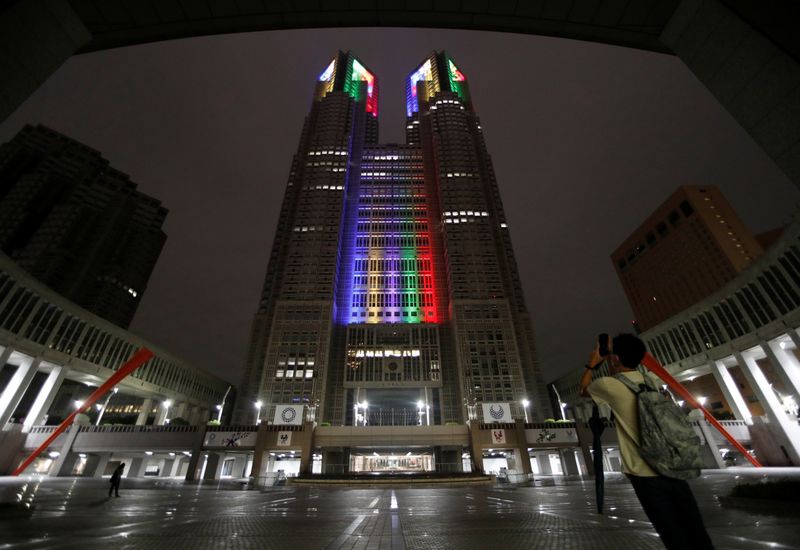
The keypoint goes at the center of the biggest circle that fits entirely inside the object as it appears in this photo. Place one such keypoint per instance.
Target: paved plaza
(553, 513)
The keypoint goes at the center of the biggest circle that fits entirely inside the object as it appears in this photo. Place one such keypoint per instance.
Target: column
(543, 460)
(569, 462)
(710, 451)
(147, 406)
(179, 411)
(774, 409)
(38, 411)
(65, 462)
(138, 467)
(99, 465)
(239, 464)
(732, 394)
(192, 471)
(585, 439)
(193, 415)
(786, 365)
(161, 414)
(16, 388)
(214, 466)
(170, 467)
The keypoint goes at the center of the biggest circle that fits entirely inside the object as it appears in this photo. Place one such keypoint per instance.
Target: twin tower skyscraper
(392, 295)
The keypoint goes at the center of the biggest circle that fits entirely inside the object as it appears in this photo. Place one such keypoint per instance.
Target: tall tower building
(77, 224)
(392, 295)
(688, 248)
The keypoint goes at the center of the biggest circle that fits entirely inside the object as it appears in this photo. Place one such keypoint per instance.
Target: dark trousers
(672, 509)
(114, 488)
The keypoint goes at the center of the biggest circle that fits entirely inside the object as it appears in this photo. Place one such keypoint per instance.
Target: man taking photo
(668, 502)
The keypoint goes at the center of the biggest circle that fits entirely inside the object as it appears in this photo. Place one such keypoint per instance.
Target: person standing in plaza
(668, 502)
(116, 477)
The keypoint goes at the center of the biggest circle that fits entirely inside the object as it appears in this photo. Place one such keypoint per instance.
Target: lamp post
(525, 404)
(258, 405)
(105, 404)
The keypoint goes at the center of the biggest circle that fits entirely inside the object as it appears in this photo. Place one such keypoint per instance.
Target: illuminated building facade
(392, 295)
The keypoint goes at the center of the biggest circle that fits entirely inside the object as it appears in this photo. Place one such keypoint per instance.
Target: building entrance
(392, 461)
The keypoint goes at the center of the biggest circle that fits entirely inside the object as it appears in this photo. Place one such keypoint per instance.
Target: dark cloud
(587, 139)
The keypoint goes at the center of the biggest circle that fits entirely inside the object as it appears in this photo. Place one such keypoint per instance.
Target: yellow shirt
(607, 390)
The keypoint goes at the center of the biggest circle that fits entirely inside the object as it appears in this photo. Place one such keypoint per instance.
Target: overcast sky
(586, 139)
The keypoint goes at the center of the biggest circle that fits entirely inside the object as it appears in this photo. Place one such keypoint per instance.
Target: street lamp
(105, 404)
(258, 405)
(525, 404)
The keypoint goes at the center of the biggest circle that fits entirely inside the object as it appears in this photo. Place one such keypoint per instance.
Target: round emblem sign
(497, 413)
(288, 414)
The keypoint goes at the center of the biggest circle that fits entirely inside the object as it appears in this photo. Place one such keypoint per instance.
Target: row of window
(393, 241)
(650, 238)
(394, 281)
(775, 292)
(42, 322)
(393, 299)
(385, 265)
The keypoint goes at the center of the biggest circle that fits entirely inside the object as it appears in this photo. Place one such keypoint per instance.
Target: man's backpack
(667, 441)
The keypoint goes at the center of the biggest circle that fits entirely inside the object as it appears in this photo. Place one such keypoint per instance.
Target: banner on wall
(497, 412)
(288, 415)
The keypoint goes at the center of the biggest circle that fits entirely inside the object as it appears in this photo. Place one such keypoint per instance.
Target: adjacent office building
(392, 295)
(691, 246)
(75, 223)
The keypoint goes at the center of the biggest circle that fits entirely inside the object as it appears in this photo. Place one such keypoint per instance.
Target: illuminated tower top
(346, 73)
(436, 74)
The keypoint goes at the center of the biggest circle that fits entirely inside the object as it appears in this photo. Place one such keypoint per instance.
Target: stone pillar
(38, 411)
(179, 411)
(732, 394)
(138, 467)
(16, 388)
(192, 471)
(240, 463)
(147, 406)
(569, 462)
(710, 451)
(65, 462)
(543, 460)
(98, 464)
(475, 448)
(786, 366)
(306, 447)
(585, 439)
(214, 466)
(774, 409)
(161, 414)
(170, 467)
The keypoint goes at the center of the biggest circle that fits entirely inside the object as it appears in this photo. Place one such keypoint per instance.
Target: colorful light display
(359, 74)
(425, 74)
(392, 279)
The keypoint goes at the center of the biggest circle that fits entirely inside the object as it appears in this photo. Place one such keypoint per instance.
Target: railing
(137, 429)
(395, 417)
(241, 428)
(42, 429)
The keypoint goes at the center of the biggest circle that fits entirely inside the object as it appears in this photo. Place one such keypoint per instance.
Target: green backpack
(667, 441)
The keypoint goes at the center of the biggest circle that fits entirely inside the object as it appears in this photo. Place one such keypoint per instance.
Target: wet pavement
(554, 513)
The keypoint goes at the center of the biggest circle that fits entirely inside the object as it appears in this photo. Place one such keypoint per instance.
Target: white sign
(498, 437)
(284, 439)
(230, 439)
(288, 414)
(497, 412)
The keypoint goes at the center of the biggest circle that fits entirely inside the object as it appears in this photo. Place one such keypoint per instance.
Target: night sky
(587, 140)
